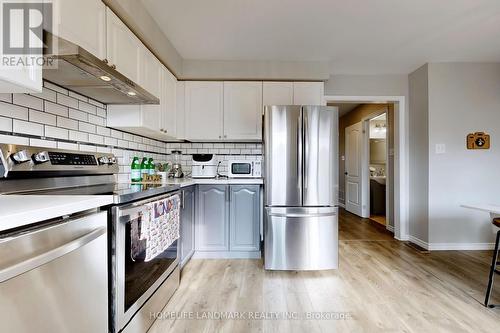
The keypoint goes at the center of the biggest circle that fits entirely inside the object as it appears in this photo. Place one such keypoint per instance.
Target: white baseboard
(461, 246)
(226, 255)
(452, 246)
(341, 205)
(390, 228)
(419, 242)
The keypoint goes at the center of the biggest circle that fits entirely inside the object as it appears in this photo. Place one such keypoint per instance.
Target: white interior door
(353, 160)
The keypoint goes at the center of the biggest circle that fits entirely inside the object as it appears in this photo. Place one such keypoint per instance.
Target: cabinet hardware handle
(113, 66)
(183, 196)
(225, 136)
(220, 137)
(105, 61)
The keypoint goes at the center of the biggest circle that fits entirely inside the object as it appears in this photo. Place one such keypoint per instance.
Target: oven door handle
(44, 258)
(132, 211)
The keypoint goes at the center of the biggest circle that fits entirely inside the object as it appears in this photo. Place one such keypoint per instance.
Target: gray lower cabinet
(212, 228)
(228, 220)
(187, 224)
(244, 221)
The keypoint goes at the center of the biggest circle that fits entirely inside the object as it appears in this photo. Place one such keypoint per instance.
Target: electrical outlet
(440, 148)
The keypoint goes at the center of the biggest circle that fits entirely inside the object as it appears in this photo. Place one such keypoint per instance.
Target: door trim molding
(401, 157)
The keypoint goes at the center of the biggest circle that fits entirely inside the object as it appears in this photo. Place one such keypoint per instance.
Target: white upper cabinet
(169, 103)
(277, 93)
(242, 111)
(22, 79)
(180, 110)
(83, 23)
(204, 110)
(150, 73)
(308, 93)
(124, 49)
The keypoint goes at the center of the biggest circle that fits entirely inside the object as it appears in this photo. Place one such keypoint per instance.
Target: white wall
(419, 156)
(463, 98)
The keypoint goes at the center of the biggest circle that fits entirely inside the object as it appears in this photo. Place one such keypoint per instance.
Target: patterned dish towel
(162, 228)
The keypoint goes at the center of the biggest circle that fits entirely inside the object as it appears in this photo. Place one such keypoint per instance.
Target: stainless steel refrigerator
(301, 186)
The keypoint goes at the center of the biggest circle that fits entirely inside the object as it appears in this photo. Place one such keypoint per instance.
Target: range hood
(80, 71)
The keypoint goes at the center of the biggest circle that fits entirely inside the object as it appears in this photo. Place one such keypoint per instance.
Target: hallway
(381, 285)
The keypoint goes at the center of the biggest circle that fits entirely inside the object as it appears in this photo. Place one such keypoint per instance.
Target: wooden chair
(493, 270)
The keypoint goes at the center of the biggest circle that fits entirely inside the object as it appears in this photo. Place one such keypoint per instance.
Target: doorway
(396, 168)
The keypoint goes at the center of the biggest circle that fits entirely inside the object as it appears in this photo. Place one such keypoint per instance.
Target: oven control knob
(103, 160)
(41, 157)
(20, 156)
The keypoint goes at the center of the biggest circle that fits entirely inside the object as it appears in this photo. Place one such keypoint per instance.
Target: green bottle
(144, 166)
(135, 170)
(151, 166)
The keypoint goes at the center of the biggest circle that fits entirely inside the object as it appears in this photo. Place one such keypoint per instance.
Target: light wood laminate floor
(382, 285)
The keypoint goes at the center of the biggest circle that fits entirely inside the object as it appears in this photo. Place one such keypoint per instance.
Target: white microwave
(244, 169)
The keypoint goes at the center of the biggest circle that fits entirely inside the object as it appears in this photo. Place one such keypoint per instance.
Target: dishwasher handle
(42, 259)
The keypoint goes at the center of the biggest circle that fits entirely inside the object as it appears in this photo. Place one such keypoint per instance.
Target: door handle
(44, 258)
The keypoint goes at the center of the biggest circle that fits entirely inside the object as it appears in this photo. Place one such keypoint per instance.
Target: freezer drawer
(301, 238)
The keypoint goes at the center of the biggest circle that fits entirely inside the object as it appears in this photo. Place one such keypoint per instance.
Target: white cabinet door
(138, 119)
(242, 111)
(277, 93)
(150, 75)
(203, 110)
(123, 47)
(83, 23)
(21, 79)
(180, 110)
(308, 93)
(170, 103)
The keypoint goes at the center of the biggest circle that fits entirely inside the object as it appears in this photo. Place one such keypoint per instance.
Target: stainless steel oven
(138, 287)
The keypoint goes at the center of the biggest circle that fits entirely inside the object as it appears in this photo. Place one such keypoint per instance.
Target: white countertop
(19, 210)
(184, 182)
(490, 208)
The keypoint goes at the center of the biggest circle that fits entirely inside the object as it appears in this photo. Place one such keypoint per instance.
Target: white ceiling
(353, 36)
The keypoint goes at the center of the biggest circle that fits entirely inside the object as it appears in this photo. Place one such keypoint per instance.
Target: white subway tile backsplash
(25, 127)
(42, 117)
(96, 120)
(110, 141)
(78, 96)
(56, 109)
(78, 136)
(66, 100)
(43, 143)
(116, 134)
(14, 140)
(78, 115)
(87, 148)
(96, 103)
(13, 111)
(89, 108)
(71, 116)
(103, 131)
(6, 98)
(56, 132)
(68, 146)
(54, 87)
(97, 139)
(101, 112)
(46, 94)
(5, 124)
(67, 123)
(86, 127)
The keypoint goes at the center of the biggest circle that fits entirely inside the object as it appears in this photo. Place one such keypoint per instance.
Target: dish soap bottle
(135, 170)
(144, 166)
(151, 166)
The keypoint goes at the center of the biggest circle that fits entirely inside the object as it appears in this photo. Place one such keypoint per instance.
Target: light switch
(342, 158)
(440, 148)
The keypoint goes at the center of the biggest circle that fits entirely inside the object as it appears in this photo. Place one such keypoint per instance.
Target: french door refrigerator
(301, 186)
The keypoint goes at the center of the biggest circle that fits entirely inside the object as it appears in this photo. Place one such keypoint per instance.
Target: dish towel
(161, 229)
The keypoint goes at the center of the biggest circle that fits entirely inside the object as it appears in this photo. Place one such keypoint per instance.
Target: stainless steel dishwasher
(53, 277)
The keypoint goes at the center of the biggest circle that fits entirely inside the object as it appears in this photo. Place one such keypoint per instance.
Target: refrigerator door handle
(299, 155)
(305, 144)
(302, 215)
